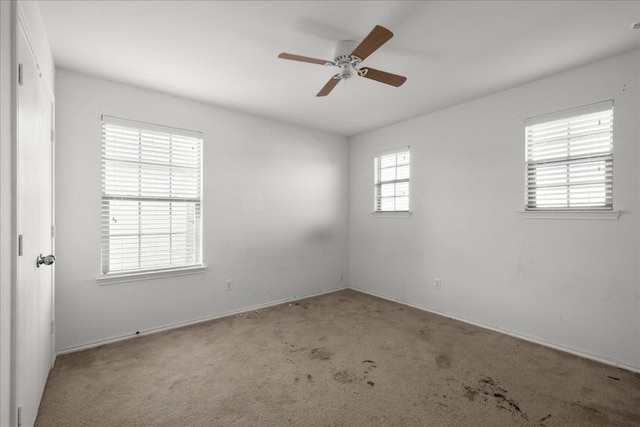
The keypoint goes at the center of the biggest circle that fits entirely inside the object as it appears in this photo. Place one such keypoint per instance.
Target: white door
(34, 288)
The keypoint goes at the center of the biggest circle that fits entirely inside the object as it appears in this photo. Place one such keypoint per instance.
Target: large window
(151, 197)
(392, 181)
(569, 159)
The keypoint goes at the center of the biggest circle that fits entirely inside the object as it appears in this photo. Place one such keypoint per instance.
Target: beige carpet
(343, 359)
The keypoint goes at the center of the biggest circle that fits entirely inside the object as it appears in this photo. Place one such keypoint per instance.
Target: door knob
(46, 260)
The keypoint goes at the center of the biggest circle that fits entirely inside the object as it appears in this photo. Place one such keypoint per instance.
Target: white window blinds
(392, 181)
(151, 197)
(569, 159)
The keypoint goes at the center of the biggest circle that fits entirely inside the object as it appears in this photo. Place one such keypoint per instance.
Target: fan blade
(382, 76)
(300, 58)
(329, 86)
(376, 38)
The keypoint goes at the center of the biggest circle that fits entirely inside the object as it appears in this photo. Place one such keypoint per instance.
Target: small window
(151, 197)
(569, 159)
(392, 181)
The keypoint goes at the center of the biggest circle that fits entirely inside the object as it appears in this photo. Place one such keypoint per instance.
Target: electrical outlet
(229, 287)
(437, 283)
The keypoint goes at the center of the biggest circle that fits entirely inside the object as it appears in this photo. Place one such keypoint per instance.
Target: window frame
(378, 182)
(594, 211)
(141, 273)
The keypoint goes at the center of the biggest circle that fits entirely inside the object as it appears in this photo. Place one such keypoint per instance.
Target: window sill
(608, 215)
(392, 214)
(149, 275)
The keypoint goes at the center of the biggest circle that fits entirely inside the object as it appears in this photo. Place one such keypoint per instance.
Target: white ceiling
(225, 53)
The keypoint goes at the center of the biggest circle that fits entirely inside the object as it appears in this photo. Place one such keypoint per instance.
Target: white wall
(275, 213)
(569, 283)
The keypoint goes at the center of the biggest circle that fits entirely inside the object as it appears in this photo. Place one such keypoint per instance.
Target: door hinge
(20, 74)
(19, 415)
(53, 325)
(20, 245)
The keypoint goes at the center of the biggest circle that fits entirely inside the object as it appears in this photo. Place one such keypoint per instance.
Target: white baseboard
(94, 344)
(514, 334)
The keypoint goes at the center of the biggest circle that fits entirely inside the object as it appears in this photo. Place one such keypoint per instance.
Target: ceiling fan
(347, 57)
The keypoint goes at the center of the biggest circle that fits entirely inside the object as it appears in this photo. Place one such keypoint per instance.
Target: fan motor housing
(343, 59)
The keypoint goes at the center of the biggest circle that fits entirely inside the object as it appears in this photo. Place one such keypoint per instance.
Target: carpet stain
(487, 380)
(613, 378)
(371, 383)
(488, 387)
(443, 361)
(343, 377)
(175, 383)
(504, 400)
(425, 334)
(543, 419)
(470, 393)
(586, 408)
(320, 353)
(371, 364)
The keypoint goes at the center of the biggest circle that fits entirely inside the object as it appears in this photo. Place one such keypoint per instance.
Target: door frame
(8, 230)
